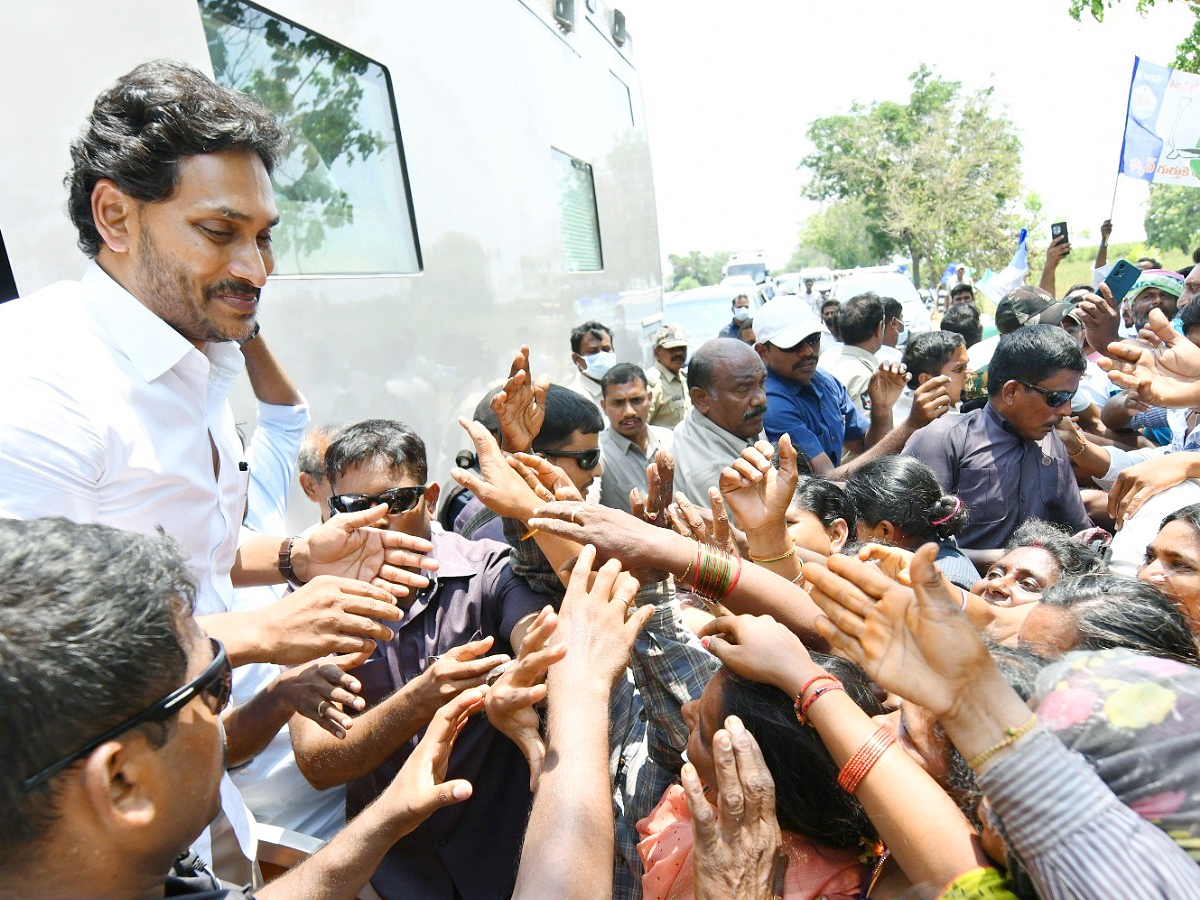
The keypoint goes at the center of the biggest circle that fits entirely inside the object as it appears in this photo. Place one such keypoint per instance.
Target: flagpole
(1112, 206)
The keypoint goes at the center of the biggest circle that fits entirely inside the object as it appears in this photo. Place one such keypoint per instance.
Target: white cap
(785, 322)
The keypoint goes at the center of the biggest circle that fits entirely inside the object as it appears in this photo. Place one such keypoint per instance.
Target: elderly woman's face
(1018, 577)
(1173, 566)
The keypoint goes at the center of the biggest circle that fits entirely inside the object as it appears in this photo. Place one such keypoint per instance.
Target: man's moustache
(754, 413)
(241, 288)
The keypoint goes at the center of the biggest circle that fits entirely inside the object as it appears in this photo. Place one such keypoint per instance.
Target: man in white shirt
(860, 324)
(629, 443)
(122, 418)
(592, 353)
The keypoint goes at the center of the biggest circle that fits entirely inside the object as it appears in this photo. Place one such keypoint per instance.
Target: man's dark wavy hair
(151, 118)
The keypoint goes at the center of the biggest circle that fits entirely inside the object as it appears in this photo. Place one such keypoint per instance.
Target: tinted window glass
(577, 213)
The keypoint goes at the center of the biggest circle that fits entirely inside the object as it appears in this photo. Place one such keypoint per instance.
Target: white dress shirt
(109, 415)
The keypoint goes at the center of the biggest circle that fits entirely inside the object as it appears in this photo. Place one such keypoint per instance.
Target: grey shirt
(1002, 478)
(702, 450)
(625, 464)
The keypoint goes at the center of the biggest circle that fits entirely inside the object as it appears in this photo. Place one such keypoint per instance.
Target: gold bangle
(773, 559)
(1083, 445)
(691, 562)
(1012, 735)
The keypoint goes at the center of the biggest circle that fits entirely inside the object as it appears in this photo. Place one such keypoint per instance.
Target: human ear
(432, 492)
(700, 399)
(839, 533)
(308, 484)
(579, 361)
(115, 215)
(116, 780)
(922, 378)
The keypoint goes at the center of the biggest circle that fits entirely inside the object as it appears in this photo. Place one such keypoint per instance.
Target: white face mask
(598, 364)
(741, 313)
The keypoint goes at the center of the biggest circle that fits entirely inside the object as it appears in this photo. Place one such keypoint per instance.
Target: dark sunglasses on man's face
(1054, 399)
(587, 459)
(399, 500)
(214, 685)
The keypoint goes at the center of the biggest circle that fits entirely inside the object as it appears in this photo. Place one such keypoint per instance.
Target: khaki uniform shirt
(669, 401)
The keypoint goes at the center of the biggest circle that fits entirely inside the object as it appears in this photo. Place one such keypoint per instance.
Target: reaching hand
(327, 615)
(521, 404)
(1056, 253)
(348, 546)
(548, 481)
(1137, 484)
(756, 492)
(760, 649)
(931, 400)
(498, 485)
(911, 641)
(457, 670)
(660, 481)
(886, 385)
(892, 561)
(594, 626)
(1105, 230)
(323, 690)
(1165, 374)
(1101, 317)
(738, 853)
(419, 788)
(687, 520)
(612, 533)
(510, 700)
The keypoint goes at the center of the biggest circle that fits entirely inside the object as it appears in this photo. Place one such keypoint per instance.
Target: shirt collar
(996, 419)
(726, 437)
(150, 344)
(859, 353)
(667, 373)
(451, 561)
(623, 443)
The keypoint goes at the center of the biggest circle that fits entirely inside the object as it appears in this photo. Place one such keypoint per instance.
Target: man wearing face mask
(741, 312)
(592, 353)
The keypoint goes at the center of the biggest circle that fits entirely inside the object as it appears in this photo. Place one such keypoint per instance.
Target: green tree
(938, 178)
(1173, 217)
(1187, 53)
(701, 268)
(841, 232)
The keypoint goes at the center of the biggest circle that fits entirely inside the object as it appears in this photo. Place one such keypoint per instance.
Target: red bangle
(802, 718)
(858, 765)
(736, 576)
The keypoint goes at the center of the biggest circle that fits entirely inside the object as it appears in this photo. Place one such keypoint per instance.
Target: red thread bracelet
(816, 695)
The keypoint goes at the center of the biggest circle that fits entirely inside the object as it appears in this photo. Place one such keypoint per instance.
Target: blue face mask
(741, 313)
(598, 364)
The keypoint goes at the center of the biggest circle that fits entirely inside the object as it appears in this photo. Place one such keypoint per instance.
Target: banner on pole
(1162, 126)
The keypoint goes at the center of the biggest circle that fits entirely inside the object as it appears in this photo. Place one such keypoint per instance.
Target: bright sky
(730, 89)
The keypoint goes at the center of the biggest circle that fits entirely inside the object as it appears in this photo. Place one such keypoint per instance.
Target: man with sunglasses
(1004, 460)
(469, 620)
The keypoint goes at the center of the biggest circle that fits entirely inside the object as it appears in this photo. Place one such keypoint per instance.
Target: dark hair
(733, 302)
(859, 318)
(960, 286)
(566, 413)
(89, 636)
(150, 119)
(904, 491)
(1080, 286)
(892, 308)
(311, 459)
(964, 319)
(1154, 263)
(622, 373)
(1071, 556)
(485, 416)
(1112, 611)
(808, 800)
(829, 302)
(825, 500)
(592, 329)
(387, 440)
(1189, 316)
(928, 351)
(1189, 514)
(1032, 354)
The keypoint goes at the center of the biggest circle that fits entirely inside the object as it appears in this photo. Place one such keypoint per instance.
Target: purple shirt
(471, 848)
(1002, 478)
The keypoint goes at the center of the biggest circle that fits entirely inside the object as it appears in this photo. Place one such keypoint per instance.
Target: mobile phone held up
(1121, 279)
(1059, 230)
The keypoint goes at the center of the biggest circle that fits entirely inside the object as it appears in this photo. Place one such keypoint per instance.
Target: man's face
(626, 405)
(1191, 287)
(1029, 411)
(892, 329)
(957, 367)
(200, 257)
(799, 363)
(808, 285)
(671, 359)
(829, 315)
(592, 344)
(962, 295)
(580, 477)
(374, 476)
(1152, 298)
(738, 400)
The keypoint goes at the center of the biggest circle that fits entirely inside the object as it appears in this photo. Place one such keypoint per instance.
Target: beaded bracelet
(802, 718)
(864, 758)
(824, 676)
(1012, 735)
(774, 559)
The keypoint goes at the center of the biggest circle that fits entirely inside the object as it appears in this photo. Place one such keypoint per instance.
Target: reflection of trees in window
(315, 88)
(577, 214)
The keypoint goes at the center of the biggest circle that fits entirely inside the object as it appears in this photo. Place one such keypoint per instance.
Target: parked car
(704, 311)
(887, 284)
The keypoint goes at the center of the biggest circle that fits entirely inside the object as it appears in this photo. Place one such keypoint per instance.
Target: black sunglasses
(214, 684)
(399, 500)
(813, 340)
(1053, 398)
(587, 459)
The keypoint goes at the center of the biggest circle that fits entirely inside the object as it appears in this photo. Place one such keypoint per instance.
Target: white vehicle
(752, 263)
(465, 178)
(886, 284)
(822, 277)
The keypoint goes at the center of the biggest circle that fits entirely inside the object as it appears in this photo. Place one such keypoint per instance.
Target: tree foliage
(841, 233)
(1187, 53)
(1173, 217)
(698, 267)
(938, 177)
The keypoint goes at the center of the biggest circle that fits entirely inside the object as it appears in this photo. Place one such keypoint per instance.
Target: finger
(722, 625)
(839, 641)
(636, 506)
(758, 787)
(637, 621)
(606, 581)
(532, 668)
(788, 464)
(720, 528)
(471, 649)
(869, 580)
(704, 819)
(746, 469)
(336, 723)
(1133, 502)
(348, 661)
(394, 576)
(539, 631)
(345, 699)
(362, 627)
(731, 806)
(839, 591)
(577, 583)
(400, 540)
(928, 583)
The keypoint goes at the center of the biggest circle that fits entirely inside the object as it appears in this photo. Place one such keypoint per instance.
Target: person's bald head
(726, 383)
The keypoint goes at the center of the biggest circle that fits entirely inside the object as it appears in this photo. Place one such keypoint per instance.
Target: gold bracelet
(1012, 735)
(773, 559)
(1083, 445)
(691, 562)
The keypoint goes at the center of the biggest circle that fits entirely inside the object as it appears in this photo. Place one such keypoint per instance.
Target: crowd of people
(820, 608)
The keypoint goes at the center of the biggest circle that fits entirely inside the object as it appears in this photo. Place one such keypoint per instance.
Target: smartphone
(1121, 279)
(1059, 230)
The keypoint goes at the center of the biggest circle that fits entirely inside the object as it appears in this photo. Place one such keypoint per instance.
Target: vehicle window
(577, 213)
(8, 284)
(342, 192)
